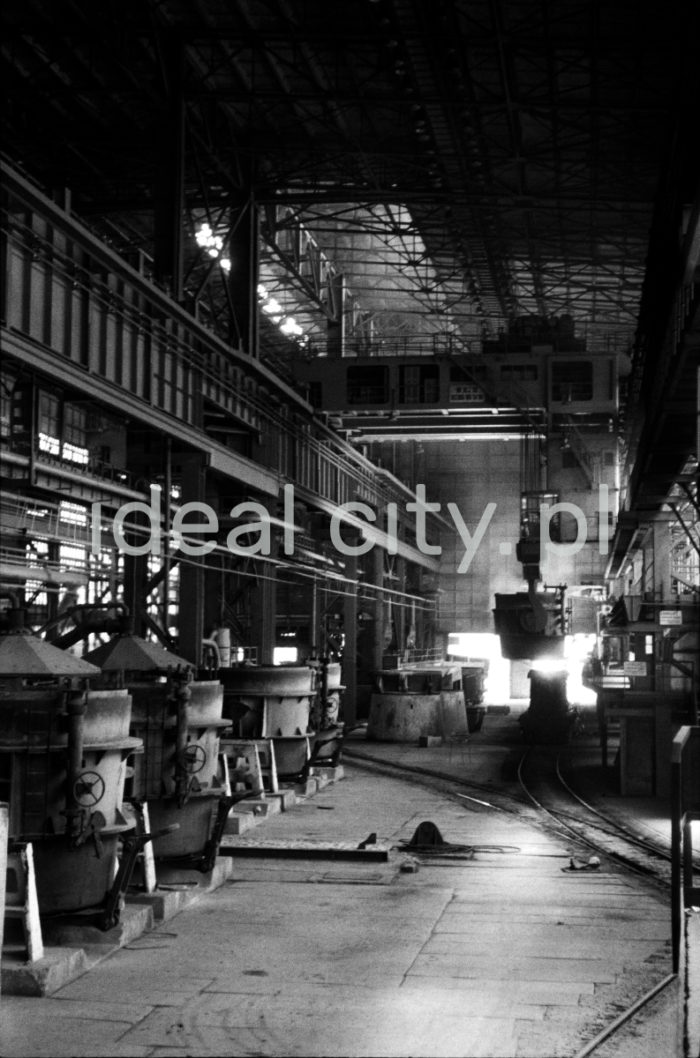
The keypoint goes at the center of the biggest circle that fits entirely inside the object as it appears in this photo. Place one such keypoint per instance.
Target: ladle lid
(24, 654)
(131, 653)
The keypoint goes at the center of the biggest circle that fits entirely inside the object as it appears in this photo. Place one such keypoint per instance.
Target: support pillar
(169, 191)
(335, 334)
(264, 616)
(244, 253)
(167, 489)
(349, 660)
(54, 556)
(136, 579)
(192, 572)
(399, 607)
(4, 839)
(376, 557)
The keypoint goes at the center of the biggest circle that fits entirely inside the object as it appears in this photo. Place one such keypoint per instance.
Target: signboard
(635, 668)
(670, 617)
(466, 392)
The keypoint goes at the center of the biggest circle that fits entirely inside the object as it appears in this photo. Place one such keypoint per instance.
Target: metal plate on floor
(307, 850)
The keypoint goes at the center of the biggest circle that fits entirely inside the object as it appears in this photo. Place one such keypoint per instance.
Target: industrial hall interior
(350, 528)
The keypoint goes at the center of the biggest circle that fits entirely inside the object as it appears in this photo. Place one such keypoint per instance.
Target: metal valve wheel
(194, 758)
(89, 789)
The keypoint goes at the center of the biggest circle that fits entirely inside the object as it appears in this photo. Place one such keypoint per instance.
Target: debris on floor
(580, 865)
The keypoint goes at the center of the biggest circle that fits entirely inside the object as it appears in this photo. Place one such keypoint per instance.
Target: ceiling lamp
(290, 326)
(210, 242)
(272, 307)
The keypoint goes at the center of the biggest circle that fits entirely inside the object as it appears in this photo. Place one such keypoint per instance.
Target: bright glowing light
(72, 513)
(49, 444)
(272, 308)
(76, 453)
(204, 235)
(210, 242)
(576, 649)
(472, 646)
(290, 326)
(284, 655)
(225, 263)
(549, 665)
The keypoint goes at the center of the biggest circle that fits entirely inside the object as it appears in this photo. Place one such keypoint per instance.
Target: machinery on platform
(296, 706)
(64, 748)
(265, 701)
(473, 679)
(646, 685)
(531, 624)
(416, 701)
(179, 720)
(549, 717)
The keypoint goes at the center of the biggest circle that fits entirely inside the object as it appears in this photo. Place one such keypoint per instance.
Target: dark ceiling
(460, 163)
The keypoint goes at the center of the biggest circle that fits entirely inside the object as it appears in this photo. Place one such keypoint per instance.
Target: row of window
(61, 425)
(62, 428)
(571, 381)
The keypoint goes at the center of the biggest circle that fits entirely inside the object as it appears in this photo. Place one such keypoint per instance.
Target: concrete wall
(472, 475)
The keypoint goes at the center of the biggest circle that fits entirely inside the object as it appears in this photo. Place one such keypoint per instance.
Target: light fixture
(210, 242)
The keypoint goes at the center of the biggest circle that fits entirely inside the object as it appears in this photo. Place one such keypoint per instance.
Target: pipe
(323, 693)
(625, 1016)
(182, 695)
(91, 622)
(215, 647)
(76, 708)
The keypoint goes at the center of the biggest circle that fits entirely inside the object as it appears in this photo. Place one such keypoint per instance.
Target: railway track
(541, 779)
(541, 785)
(542, 793)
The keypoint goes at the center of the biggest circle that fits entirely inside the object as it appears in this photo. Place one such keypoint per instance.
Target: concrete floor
(502, 954)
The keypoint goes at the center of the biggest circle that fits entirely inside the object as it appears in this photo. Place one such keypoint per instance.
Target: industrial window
(74, 424)
(419, 384)
(368, 385)
(572, 381)
(469, 372)
(6, 388)
(521, 372)
(62, 431)
(72, 513)
(74, 445)
(315, 394)
(49, 423)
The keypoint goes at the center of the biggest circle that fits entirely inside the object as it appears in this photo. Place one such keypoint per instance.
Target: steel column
(169, 191)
